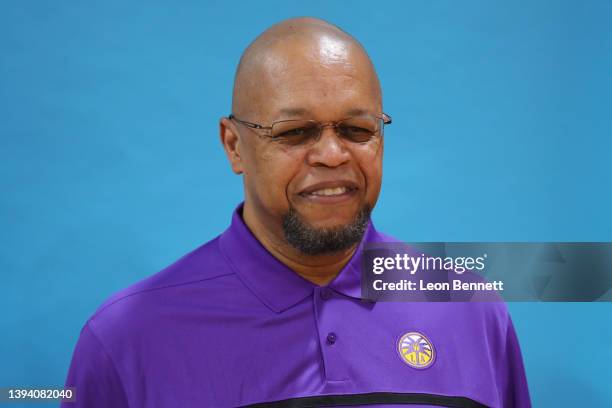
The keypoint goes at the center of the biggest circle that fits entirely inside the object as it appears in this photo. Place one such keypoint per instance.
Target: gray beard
(313, 241)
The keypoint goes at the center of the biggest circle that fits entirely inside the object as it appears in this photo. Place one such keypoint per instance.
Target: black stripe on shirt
(371, 398)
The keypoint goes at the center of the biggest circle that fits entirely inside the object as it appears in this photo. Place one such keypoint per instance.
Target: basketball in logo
(416, 350)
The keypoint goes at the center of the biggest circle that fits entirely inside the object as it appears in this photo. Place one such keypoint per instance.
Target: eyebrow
(304, 111)
(356, 112)
(294, 111)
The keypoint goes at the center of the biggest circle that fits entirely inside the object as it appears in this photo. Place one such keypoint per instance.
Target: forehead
(325, 76)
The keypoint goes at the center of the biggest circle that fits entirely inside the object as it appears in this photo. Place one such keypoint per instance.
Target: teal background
(111, 168)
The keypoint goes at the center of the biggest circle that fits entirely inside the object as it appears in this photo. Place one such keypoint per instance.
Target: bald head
(296, 54)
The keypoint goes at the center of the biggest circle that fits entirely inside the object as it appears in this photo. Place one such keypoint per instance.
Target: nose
(329, 150)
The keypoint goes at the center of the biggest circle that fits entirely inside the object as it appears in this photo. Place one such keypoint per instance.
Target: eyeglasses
(301, 132)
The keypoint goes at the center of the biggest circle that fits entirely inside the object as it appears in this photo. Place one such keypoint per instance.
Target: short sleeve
(516, 390)
(94, 375)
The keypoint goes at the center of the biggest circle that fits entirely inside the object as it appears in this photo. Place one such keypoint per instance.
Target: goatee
(320, 241)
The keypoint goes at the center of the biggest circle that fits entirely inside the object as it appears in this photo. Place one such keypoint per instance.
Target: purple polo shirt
(229, 325)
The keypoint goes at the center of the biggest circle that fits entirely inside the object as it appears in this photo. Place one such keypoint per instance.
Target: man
(270, 313)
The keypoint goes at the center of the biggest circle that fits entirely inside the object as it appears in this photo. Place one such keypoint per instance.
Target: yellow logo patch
(416, 350)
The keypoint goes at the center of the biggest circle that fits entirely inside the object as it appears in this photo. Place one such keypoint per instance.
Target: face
(329, 182)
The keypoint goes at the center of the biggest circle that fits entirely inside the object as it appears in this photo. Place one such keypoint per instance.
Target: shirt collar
(274, 283)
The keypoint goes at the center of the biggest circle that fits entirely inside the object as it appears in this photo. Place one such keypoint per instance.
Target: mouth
(330, 191)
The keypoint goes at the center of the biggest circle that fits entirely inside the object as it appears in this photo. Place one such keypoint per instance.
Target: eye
(356, 129)
(292, 133)
(355, 133)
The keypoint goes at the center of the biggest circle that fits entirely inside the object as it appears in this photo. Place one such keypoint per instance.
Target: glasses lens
(360, 129)
(295, 132)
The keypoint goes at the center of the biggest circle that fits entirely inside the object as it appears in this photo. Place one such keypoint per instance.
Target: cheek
(372, 171)
(270, 176)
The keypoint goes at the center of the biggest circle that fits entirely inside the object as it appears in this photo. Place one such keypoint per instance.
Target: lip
(351, 186)
(349, 194)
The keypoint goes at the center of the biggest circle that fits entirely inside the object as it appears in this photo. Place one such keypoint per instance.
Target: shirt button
(326, 293)
(331, 338)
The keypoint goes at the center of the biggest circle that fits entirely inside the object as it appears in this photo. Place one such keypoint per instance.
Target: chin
(329, 223)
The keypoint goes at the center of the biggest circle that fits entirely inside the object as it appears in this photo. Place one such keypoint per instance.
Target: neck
(318, 269)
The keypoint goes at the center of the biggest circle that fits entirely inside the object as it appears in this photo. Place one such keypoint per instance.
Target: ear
(231, 144)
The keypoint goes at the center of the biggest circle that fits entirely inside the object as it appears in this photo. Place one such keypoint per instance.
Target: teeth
(330, 191)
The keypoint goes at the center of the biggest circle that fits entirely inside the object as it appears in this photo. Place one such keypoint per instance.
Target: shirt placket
(331, 340)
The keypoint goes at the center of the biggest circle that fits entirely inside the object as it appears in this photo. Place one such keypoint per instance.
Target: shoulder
(198, 273)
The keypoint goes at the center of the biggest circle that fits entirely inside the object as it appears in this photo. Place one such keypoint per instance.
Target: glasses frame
(386, 120)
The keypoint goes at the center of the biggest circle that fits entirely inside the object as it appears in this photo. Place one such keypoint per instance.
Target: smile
(330, 192)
